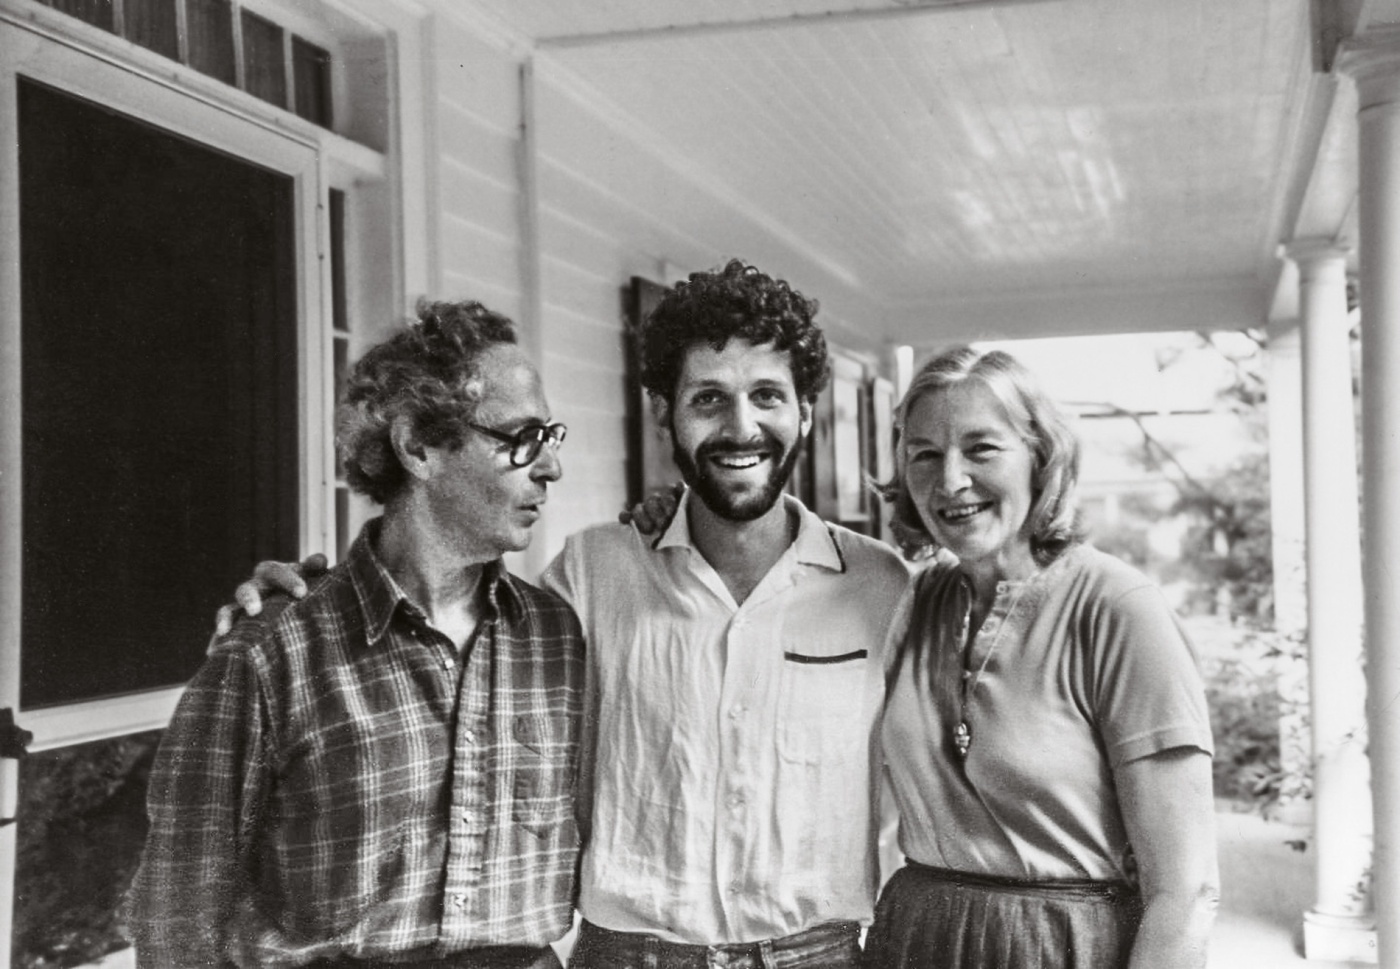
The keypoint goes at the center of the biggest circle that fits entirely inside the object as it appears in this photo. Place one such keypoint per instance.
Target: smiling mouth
(738, 462)
(962, 513)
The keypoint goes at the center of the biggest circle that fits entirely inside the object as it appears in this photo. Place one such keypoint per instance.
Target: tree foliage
(1227, 553)
(1226, 557)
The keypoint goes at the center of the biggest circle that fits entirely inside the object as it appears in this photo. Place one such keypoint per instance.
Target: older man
(383, 772)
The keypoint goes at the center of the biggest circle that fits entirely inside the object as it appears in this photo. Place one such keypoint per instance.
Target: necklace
(962, 733)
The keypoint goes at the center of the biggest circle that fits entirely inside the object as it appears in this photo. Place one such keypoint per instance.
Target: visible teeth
(958, 514)
(739, 463)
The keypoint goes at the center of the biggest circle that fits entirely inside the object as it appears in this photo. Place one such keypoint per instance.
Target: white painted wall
(477, 132)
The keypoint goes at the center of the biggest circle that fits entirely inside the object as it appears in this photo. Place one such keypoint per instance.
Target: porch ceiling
(1005, 168)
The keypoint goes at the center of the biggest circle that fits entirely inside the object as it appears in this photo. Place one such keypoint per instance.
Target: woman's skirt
(930, 918)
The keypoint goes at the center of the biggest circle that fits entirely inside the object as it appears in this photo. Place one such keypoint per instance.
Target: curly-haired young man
(734, 664)
(383, 772)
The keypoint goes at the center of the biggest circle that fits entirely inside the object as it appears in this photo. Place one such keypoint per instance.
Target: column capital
(1306, 249)
(1372, 59)
(1315, 255)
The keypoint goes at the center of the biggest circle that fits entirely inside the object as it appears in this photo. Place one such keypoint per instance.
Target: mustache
(762, 442)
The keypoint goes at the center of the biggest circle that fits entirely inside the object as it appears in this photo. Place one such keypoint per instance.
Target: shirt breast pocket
(543, 792)
(821, 707)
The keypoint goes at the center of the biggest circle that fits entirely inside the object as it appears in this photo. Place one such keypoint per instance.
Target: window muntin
(274, 64)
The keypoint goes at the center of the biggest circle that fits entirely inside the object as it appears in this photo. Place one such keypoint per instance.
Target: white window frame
(55, 49)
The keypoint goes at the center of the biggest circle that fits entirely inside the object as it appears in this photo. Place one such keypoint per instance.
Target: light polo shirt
(732, 761)
(1075, 672)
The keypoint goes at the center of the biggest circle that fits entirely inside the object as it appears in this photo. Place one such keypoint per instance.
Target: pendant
(962, 738)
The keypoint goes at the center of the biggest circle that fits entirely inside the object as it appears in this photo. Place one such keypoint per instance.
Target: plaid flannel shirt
(338, 781)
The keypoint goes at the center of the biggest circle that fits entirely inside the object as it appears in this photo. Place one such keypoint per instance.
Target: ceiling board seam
(1066, 296)
(840, 16)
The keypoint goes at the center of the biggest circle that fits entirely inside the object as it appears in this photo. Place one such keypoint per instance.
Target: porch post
(1286, 514)
(1338, 926)
(1374, 61)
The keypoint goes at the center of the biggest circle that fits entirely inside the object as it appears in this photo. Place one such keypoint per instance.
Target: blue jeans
(831, 945)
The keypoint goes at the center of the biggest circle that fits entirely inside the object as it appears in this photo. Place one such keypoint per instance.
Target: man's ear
(804, 411)
(661, 412)
(410, 451)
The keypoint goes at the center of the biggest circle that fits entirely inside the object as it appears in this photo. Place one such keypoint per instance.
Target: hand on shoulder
(268, 577)
(654, 512)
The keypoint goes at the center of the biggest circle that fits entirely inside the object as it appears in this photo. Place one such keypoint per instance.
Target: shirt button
(459, 900)
(469, 736)
(735, 888)
(736, 800)
(736, 711)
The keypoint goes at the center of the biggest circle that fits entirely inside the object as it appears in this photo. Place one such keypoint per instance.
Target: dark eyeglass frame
(526, 443)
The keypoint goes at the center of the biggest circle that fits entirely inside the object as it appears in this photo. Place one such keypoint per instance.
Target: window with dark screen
(159, 400)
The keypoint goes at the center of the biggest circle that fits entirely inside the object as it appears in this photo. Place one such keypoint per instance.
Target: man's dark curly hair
(740, 302)
(429, 371)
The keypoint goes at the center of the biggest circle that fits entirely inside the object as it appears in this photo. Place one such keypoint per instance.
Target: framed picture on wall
(649, 463)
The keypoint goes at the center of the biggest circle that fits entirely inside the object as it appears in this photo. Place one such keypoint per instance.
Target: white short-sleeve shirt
(732, 772)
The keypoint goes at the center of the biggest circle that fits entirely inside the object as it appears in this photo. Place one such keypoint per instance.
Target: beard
(736, 507)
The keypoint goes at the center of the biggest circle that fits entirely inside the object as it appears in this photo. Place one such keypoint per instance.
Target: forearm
(1170, 818)
(1175, 929)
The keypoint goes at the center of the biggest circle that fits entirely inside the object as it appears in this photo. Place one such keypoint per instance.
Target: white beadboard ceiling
(980, 153)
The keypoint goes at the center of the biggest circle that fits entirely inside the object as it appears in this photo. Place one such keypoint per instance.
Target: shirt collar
(381, 597)
(815, 544)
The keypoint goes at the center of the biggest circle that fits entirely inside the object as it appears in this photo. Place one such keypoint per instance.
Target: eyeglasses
(525, 443)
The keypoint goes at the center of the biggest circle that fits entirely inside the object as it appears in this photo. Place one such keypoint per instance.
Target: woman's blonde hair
(1053, 516)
